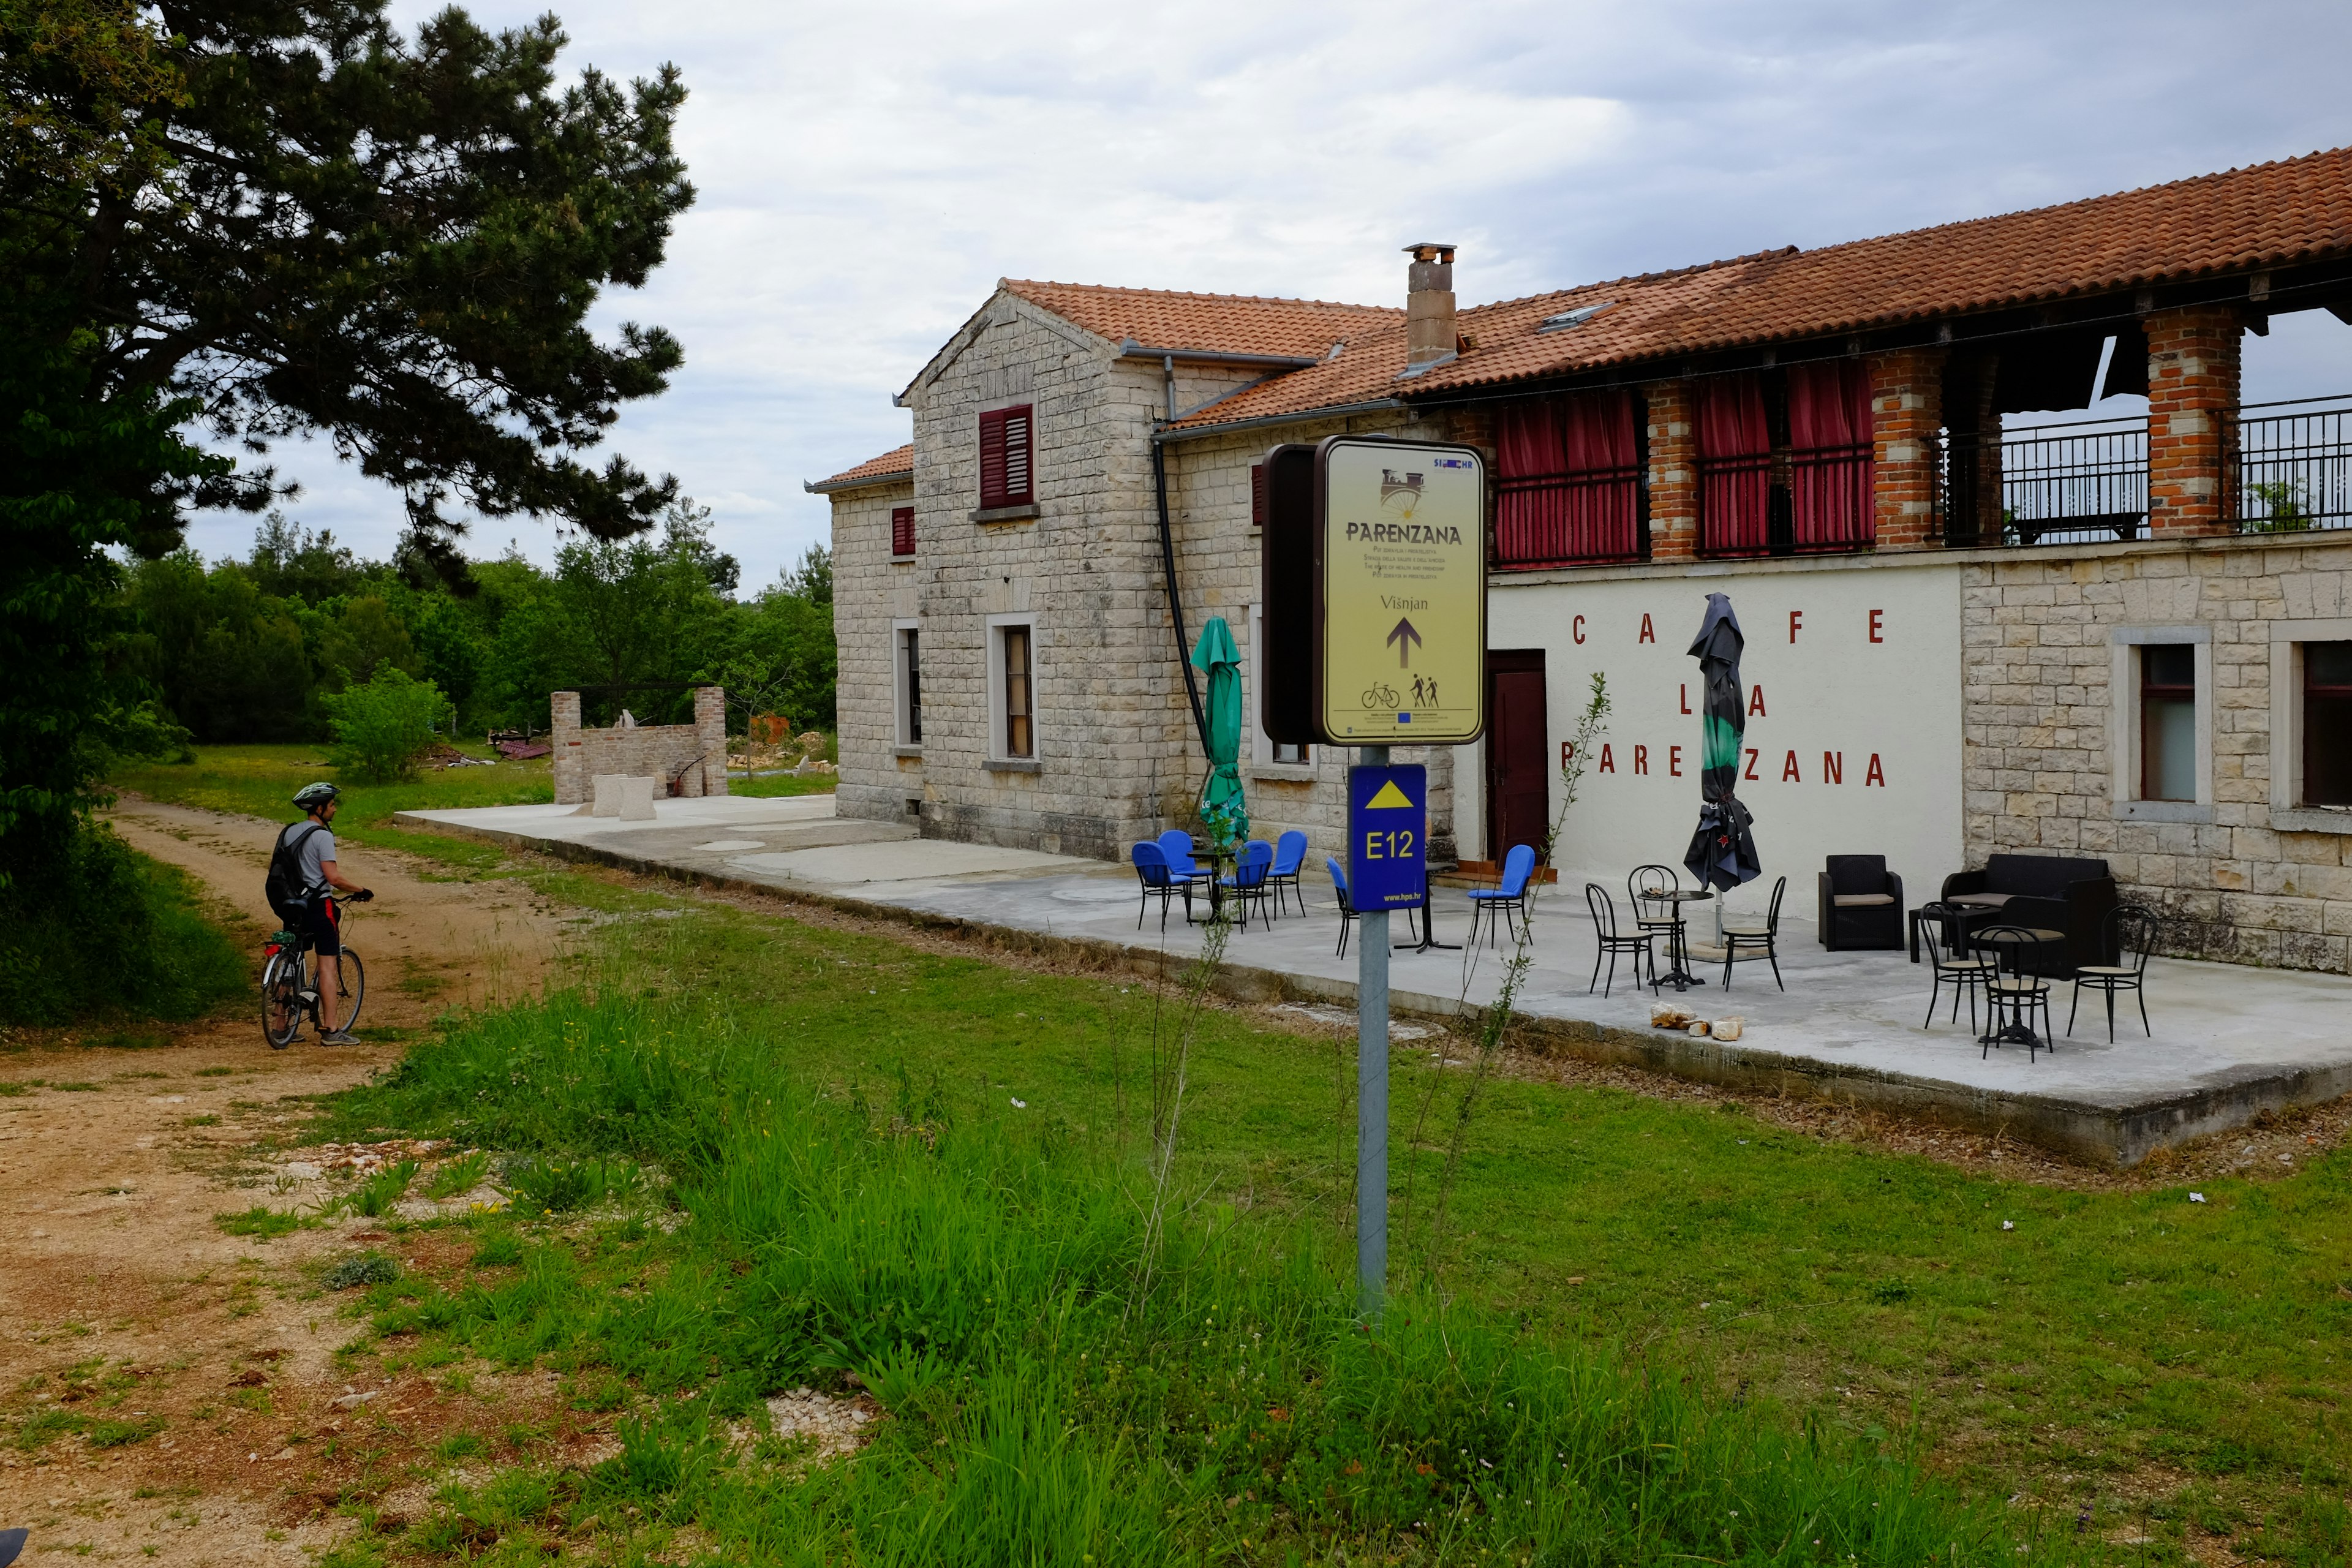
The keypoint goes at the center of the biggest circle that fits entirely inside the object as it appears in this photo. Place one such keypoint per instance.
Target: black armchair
(1861, 904)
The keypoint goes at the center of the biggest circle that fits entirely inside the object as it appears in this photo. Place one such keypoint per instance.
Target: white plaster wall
(1829, 689)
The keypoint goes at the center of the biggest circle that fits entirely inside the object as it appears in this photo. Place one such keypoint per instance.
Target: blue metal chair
(1289, 855)
(1518, 869)
(1249, 880)
(1151, 871)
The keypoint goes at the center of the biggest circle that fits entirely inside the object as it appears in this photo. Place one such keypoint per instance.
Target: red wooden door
(1518, 782)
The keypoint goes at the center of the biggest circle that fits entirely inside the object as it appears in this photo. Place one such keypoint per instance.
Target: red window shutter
(1004, 457)
(902, 531)
(1257, 495)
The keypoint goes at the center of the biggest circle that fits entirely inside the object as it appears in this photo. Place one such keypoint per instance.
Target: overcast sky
(866, 172)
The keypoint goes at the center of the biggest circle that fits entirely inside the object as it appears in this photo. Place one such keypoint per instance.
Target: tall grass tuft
(979, 1274)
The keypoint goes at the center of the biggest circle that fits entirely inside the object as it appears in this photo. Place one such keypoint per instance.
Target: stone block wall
(692, 757)
(2239, 877)
(873, 590)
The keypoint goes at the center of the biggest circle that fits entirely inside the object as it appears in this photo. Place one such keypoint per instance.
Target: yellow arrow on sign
(1390, 798)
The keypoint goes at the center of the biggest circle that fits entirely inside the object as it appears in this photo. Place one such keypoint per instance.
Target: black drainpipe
(1175, 596)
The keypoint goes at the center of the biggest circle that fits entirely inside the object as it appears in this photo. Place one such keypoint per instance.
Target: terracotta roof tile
(1206, 324)
(2268, 214)
(896, 464)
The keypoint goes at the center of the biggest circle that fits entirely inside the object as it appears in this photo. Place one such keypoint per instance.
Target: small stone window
(1020, 737)
(911, 686)
(2326, 723)
(2167, 721)
(902, 533)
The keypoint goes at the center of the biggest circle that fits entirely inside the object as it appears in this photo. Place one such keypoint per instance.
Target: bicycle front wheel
(281, 1001)
(354, 978)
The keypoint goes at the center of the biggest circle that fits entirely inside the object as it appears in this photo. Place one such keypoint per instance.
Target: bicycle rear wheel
(354, 978)
(281, 1000)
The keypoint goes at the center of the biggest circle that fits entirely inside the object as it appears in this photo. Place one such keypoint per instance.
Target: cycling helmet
(312, 797)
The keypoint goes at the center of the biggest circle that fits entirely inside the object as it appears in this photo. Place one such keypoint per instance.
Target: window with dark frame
(2327, 724)
(1005, 458)
(1257, 495)
(2167, 721)
(1019, 737)
(910, 645)
(902, 531)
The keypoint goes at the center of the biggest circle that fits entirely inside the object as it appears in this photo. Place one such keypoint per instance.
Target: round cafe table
(2011, 944)
(1678, 975)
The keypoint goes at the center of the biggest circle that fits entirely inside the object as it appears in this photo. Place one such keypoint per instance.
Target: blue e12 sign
(1388, 835)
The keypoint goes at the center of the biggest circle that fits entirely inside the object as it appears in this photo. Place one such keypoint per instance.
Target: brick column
(570, 782)
(1673, 422)
(1907, 408)
(2192, 393)
(710, 736)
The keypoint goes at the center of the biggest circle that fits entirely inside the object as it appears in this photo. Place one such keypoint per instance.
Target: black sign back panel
(1286, 555)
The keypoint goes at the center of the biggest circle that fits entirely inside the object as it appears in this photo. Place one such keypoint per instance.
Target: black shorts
(320, 929)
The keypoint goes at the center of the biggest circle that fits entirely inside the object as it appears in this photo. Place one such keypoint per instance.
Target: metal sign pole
(1372, 1093)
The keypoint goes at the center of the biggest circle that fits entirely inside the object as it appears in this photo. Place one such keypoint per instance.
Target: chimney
(1429, 305)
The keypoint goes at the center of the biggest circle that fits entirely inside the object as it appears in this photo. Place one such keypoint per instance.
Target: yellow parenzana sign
(1404, 594)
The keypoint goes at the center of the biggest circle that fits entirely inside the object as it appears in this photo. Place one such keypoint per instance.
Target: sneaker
(340, 1038)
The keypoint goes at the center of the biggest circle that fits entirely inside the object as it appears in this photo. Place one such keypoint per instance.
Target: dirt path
(123, 1302)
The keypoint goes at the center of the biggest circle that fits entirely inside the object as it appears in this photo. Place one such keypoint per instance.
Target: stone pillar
(710, 741)
(570, 780)
(1906, 409)
(2193, 397)
(1672, 420)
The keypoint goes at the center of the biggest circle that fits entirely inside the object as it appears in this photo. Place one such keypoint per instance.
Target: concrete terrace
(2229, 1041)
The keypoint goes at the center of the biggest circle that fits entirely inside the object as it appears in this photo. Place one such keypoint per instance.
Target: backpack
(283, 886)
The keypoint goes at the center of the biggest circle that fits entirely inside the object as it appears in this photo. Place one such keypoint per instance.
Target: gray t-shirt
(319, 845)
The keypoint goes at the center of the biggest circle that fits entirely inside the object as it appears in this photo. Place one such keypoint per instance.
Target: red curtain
(1735, 466)
(1830, 467)
(1565, 473)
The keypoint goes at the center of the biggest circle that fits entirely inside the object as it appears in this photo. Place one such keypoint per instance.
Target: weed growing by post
(1495, 1023)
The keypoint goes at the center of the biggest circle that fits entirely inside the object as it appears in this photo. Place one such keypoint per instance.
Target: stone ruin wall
(694, 754)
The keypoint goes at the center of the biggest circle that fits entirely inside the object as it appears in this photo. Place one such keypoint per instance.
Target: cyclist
(311, 847)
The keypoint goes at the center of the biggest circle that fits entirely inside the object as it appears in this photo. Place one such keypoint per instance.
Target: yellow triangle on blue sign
(1390, 798)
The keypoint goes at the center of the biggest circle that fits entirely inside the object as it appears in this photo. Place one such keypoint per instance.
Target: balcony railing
(2051, 484)
(2293, 465)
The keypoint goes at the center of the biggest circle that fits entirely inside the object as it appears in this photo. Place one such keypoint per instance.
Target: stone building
(2125, 639)
(687, 759)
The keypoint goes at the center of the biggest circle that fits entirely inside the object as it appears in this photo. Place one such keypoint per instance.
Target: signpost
(1374, 566)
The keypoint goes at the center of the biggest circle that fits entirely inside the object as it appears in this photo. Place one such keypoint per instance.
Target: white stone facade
(1117, 755)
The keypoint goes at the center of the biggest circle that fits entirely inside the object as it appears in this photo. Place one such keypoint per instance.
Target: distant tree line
(252, 649)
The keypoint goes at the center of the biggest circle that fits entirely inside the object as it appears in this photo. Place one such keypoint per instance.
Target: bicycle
(288, 995)
(1381, 696)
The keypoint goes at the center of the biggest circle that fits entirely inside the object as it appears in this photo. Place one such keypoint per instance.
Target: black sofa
(1861, 904)
(2055, 892)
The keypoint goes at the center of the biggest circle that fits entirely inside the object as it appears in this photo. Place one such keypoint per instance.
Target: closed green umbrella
(1223, 811)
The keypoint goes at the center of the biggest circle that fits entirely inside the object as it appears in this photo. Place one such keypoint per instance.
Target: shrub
(383, 727)
(366, 1269)
(110, 931)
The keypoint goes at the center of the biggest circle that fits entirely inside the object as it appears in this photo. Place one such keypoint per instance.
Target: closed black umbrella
(1722, 852)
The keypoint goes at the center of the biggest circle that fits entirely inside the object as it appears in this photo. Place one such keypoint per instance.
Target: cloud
(868, 172)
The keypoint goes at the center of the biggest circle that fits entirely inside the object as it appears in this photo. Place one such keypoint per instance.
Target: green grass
(984, 1273)
(2113, 1347)
(779, 784)
(260, 781)
(260, 1220)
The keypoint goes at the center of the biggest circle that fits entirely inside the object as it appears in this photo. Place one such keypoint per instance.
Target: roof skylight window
(1575, 317)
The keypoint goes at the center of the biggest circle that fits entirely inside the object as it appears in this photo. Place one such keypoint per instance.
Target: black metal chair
(1964, 971)
(1764, 939)
(2018, 992)
(1251, 881)
(2131, 933)
(1652, 912)
(1614, 941)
